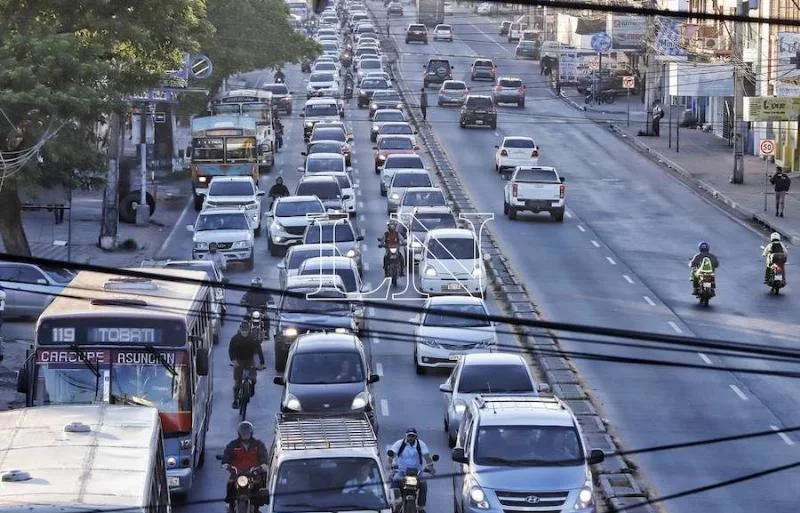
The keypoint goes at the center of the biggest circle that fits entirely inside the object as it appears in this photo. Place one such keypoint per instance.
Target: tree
(73, 62)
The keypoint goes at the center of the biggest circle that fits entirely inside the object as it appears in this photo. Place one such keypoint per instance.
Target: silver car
(30, 288)
(289, 219)
(338, 231)
(452, 92)
(401, 181)
(296, 255)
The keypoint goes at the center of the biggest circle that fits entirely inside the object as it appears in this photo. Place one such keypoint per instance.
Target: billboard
(627, 32)
(692, 79)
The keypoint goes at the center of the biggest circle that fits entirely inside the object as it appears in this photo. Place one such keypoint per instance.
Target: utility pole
(648, 80)
(742, 9)
(110, 225)
(143, 209)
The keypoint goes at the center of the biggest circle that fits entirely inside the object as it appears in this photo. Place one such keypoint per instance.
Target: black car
(437, 71)
(368, 87)
(528, 50)
(328, 373)
(478, 110)
(281, 97)
(417, 32)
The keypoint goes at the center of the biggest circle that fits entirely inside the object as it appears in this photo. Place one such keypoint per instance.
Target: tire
(272, 248)
(280, 361)
(373, 138)
(250, 263)
(127, 206)
(201, 460)
(505, 208)
(377, 170)
(512, 213)
(243, 403)
(257, 231)
(198, 203)
(384, 192)
(558, 215)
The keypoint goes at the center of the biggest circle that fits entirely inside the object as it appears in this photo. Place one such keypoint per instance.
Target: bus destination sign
(124, 336)
(105, 357)
(111, 332)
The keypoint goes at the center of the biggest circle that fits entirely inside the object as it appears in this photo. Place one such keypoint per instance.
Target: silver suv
(522, 453)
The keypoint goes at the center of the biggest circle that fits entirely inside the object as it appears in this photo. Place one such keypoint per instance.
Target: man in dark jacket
(423, 103)
(782, 183)
(242, 350)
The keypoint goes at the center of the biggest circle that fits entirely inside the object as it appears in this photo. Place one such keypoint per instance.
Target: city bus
(132, 341)
(94, 457)
(256, 104)
(221, 146)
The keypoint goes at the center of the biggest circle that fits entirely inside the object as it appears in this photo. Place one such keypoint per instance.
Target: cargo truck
(430, 12)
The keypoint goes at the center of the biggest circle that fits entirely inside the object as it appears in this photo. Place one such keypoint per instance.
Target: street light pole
(742, 8)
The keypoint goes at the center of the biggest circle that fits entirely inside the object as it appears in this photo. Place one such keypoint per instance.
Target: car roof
(451, 233)
(482, 96)
(326, 343)
(411, 171)
(437, 301)
(499, 358)
(232, 179)
(396, 123)
(517, 138)
(524, 413)
(433, 210)
(424, 189)
(321, 101)
(392, 111)
(509, 78)
(317, 178)
(220, 210)
(324, 141)
(336, 262)
(325, 155)
(296, 199)
(315, 280)
(315, 247)
(407, 137)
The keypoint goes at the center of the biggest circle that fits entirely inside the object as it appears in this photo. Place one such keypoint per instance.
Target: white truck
(535, 189)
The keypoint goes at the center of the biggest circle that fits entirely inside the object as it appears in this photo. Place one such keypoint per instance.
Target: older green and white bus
(82, 458)
(256, 104)
(132, 341)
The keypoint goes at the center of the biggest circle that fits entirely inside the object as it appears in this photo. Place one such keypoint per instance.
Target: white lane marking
(379, 369)
(384, 407)
(362, 217)
(365, 265)
(497, 133)
(628, 278)
(649, 301)
(762, 247)
(738, 392)
(569, 216)
(675, 327)
(705, 358)
(174, 230)
(783, 435)
(595, 244)
(490, 38)
(581, 228)
(360, 204)
(611, 261)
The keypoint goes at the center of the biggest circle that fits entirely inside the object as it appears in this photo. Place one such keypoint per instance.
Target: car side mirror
(435, 457)
(561, 178)
(300, 169)
(201, 363)
(373, 378)
(458, 455)
(278, 380)
(446, 388)
(359, 238)
(390, 453)
(190, 227)
(304, 154)
(596, 456)
(543, 388)
(497, 147)
(260, 193)
(281, 265)
(302, 114)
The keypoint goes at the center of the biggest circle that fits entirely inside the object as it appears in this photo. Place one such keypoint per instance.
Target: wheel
(406, 41)
(377, 170)
(512, 213)
(250, 263)
(451, 442)
(558, 215)
(496, 168)
(280, 360)
(201, 460)
(446, 426)
(257, 231)
(394, 280)
(289, 112)
(505, 208)
(198, 203)
(776, 290)
(273, 249)
(419, 369)
(383, 190)
(373, 137)
(462, 124)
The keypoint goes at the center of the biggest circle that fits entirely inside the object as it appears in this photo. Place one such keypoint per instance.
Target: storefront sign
(771, 108)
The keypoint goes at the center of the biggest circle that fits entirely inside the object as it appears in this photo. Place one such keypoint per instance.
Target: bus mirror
(201, 363)
(219, 457)
(22, 380)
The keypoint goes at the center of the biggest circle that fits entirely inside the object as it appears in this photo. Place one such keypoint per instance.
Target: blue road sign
(200, 66)
(601, 42)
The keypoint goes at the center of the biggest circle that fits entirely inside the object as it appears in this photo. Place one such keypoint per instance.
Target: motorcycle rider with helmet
(393, 239)
(279, 78)
(242, 349)
(242, 454)
(771, 250)
(411, 452)
(278, 190)
(703, 252)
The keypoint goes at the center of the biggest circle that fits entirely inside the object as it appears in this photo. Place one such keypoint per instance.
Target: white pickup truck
(535, 189)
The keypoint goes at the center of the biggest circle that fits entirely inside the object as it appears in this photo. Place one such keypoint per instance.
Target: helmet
(775, 237)
(256, 282)
(256, 315)
(279, 180)
(703, 246)
(245, 430)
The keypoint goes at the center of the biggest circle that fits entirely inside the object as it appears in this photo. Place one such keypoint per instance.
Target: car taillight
(561, 190)
(514, 189)
(521, 89)
(535, 153)
(493, 110)
(499, 88)
(503, 153)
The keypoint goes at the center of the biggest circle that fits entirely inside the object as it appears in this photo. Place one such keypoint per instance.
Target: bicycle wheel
(244, 398)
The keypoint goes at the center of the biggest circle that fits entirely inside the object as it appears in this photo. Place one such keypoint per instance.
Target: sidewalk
(701, 159)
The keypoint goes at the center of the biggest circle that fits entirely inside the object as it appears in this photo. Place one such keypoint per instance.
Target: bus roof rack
(298, 432)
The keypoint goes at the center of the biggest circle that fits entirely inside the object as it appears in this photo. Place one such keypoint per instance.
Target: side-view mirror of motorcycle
(435, 457)
(390, 453)
(278, 380)
(219, 457)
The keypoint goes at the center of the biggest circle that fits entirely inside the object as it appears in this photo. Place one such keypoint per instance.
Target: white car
(423, 220)
(443, 33)
(230, 229)
(451, 263)
(379, 74)
(368, 65)
(420, 197)
(325, 66)
(438, 338)
(298, 254)
(393, 163)
(323, 83)
(344, 267)
(321, 162)
(516, 151)
(330, 48)
(236, 191)
(385, 116)
(348, 189)
(289, 218)
(402, 180)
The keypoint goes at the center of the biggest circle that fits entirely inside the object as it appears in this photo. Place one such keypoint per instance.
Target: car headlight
(430, 272)
(395, 196)
(290, 332)
(276, 225)
(172, 461)
(291, 403)
(477, 272)
(351, 253)
(251, 206)
(242, 481)
(201, 245)
(585, 496)
(241, 244)
(375, 128)
(202, 179)
(361, 401)
(478, 498)
(309, 124)
(399, 105)
(460, 408)
(373, 106)
(382, 157)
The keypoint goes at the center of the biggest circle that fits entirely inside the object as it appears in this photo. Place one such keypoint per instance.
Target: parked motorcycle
(409, 488)
(776, 276)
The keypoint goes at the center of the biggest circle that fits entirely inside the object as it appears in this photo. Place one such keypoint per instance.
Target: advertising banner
(628, 32)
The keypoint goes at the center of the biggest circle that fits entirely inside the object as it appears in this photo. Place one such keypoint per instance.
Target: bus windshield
(208, 149)
(240, 148)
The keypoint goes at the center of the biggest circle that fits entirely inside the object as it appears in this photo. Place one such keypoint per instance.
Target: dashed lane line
(581, 228)
(649, 301)
(384, 407)
(783, 435)
(675, 327)
(611, 261)
(595, 244)
(379, 369)
(705, 358)
(568, 215)
(738, 391)
(628, 278)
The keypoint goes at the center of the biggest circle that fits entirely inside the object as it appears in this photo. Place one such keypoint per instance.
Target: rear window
(374, 83)
(433, 65)
(382, 116)
(519, 143)
(488, 64)
(480, 103)
(537, 175)
(370, 64)
(401, 162)
(411, 180)
(444, 27)
(461, 86)
(329, 134)
(510, 82)
(330, 233)
(416, 27)
(300, 256)
(231, 189)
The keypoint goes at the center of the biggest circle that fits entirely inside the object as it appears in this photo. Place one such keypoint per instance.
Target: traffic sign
(160, 117)
(766, 147)
(601, 42)
(201, 66)
(629, 82)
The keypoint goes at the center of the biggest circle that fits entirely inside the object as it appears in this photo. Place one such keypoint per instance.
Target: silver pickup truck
(535, 189)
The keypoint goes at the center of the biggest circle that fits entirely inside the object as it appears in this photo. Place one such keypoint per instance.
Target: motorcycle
(305, 66)
(706, 287)
(257, 320)
(248, 488)
(776, 278)
(392, 269)
(346, 59)
(409, 488)
(279, 79)
(602, 97)
(348, 91)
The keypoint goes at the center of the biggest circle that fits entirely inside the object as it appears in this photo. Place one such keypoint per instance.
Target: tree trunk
(11, 229)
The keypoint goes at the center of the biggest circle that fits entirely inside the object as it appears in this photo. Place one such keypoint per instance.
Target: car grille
(223, 204)
(458, 347)
(533, 502)
(295, 230)
(224, 245)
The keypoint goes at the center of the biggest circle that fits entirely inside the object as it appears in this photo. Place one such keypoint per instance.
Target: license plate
(479, 122)
(453, 286)
(173, 482)
(778, 277)
(706, 285)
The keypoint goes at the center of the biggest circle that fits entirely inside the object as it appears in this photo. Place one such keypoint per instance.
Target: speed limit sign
(766, 147)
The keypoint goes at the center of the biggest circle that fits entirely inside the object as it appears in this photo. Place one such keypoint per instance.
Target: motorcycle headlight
(373, 106)
(411, 480)
(291, 403)
(201, 245)
(478, 498)
(477, 272)
(351, 253)
(585, 496)
(395, 196)
(360, 401)
(241, 244)
(202, 179)
(381, 158)
(393, 250)
(430, 272)
(242, 481)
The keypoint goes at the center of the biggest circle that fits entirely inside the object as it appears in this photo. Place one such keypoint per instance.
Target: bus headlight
(171, 461)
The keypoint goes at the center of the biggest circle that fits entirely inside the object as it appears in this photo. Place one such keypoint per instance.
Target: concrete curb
(613, 475)
(707, 189)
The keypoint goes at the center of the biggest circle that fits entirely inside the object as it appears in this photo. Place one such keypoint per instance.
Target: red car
(392, 145)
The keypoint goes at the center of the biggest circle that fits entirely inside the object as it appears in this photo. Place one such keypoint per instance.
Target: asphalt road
(620, 260)
(403, 398)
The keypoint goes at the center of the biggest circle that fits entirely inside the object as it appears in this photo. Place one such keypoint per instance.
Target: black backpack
(776, 247)
(403, 446)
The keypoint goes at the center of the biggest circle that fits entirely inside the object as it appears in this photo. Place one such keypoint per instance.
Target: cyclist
(242, 349)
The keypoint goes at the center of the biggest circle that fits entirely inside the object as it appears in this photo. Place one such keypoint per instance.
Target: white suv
(514, 152)
(236, 191)
(230, 229)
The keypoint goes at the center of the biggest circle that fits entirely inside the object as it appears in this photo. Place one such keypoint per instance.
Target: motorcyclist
(278, 125)
(280, 78)
(257, 297)
(771, 250)
(348, 79)
(216, 257)
(242, 349)
(703, 252)
(411, 452)
(392, 238)
(243, 454)
(278, 190)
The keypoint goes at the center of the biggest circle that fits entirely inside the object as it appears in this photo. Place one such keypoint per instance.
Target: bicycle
(247, 386)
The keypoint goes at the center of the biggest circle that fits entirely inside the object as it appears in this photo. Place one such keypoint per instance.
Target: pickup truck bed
(535, 189)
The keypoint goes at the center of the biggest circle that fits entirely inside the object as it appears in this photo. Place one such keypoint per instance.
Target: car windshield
(315, 300)
(370, 64)
(230, 189)
(528, 446)
(424, 199)
(510, 83)
(453, 248)
(427, 222)
(330, 233)
(325, 109)
(411, 180)
(477, 316)
(497, 379)
(320, 165)
(387, 96)
(395, 143)
(484, 64)
(518, 143)
(325, 147)
(383, 116)
(299, 256)
(321, 77)
(346, 273)
(206, 222)
(276, 88)
(329, 134)
(416, 27)
(374, 83)
(298, 208)
(58, 274)
(536, 176)
(326, 368)
(396, 129)
(461, 86)
(327, 484)
(401, 162)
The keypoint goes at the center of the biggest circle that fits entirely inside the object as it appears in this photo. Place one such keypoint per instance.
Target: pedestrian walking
(658, 113)
(782, 183)
(423, 103)
(388, 29)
